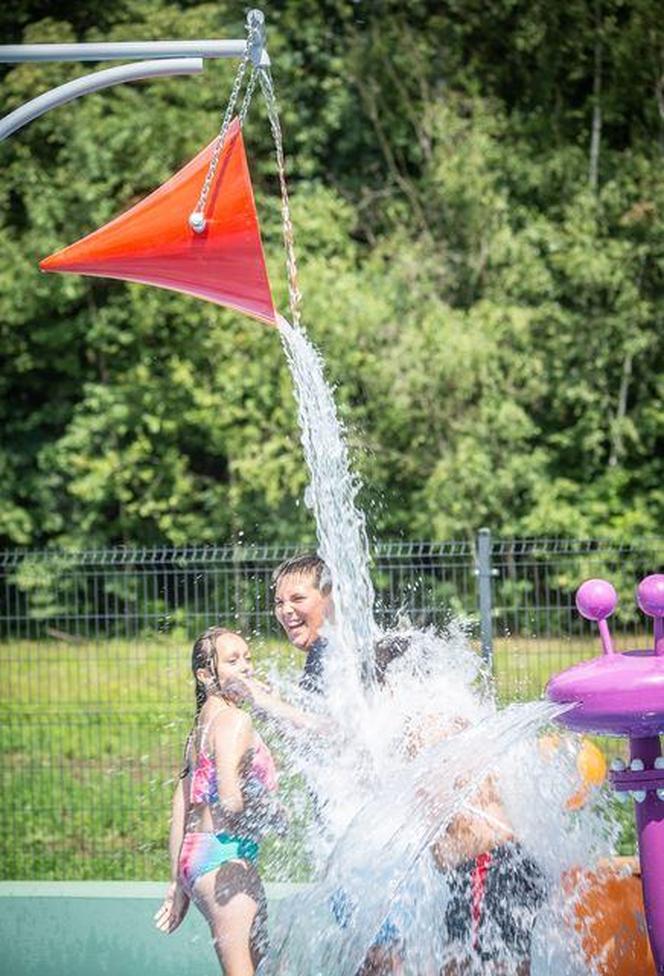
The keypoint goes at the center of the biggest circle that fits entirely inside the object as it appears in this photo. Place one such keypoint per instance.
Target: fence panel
(95, 697)
(537, 630)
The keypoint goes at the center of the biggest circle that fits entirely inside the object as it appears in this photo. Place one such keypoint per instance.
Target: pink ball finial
(596, 599)
(650, 595)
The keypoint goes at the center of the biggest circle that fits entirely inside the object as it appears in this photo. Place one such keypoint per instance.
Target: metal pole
(125, 51)
(94, 82)
(484, 578)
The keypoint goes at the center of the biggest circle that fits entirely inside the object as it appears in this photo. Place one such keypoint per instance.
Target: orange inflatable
(609, 916)
(590, 767)
(153, 243)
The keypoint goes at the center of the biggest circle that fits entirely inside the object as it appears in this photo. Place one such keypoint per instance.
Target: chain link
(294, 294)
(248, 95)
(197, 218)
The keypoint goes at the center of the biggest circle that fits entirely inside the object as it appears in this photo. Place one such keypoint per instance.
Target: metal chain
(294, 294)
(248, 95)
(197, 218)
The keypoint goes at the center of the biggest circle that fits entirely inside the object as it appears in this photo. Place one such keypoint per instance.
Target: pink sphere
(596, 599)
(650, 595)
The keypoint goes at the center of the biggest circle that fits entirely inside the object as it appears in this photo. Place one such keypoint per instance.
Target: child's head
(218, 656)
(386, 650)
(302, 598)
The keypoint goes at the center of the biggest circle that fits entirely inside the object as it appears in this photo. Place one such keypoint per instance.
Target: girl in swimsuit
(222, 807)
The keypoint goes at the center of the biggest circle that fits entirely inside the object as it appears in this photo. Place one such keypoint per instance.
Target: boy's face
(300, 608)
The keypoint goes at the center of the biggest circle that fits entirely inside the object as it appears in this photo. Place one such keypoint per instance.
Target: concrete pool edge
(117, 889)
(105, 928)
(81, 928)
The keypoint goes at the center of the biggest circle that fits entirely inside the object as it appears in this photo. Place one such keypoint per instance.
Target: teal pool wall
(92, 928)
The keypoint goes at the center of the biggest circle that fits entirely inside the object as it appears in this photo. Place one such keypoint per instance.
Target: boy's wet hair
(386, 650)
(308, 564)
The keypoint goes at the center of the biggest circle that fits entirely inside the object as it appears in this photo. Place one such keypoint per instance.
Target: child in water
(222, 807)
(495, 888)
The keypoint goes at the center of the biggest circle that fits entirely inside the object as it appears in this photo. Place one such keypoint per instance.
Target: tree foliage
(484, 280)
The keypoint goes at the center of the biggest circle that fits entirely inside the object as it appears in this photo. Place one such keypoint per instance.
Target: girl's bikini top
(204, 775)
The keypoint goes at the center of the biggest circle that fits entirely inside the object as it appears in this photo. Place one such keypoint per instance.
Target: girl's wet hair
(308, 564)
(203, 655)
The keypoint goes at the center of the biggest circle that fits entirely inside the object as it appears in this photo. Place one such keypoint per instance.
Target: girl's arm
(268, 704)
(179, 811)
(272, 705)
(176, 901)
(232, 736)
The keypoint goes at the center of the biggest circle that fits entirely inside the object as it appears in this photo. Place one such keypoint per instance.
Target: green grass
(91, 737)
(523, 665)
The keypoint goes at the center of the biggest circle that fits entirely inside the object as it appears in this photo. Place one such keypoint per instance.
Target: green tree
(477, 198)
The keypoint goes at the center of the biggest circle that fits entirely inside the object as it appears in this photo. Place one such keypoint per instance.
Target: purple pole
(650, 827)
(623, 694)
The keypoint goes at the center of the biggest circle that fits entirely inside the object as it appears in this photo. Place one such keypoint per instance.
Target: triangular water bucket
(153, 243)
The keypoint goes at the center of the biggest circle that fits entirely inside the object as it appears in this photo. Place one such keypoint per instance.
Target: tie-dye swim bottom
(202, 852)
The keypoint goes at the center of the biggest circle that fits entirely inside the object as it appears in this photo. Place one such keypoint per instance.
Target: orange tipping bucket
(153, 243)
(609, 916)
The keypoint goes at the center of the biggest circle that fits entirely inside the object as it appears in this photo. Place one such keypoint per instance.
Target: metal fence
(94, 647)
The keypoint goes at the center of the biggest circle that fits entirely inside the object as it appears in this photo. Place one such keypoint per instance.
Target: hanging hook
(256, 36)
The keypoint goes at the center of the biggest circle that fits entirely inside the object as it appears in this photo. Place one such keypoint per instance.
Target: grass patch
(91, 735)
(91, 738)
(523, 665)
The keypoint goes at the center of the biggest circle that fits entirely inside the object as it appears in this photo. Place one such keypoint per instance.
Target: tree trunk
(621, 411)
(596, 131)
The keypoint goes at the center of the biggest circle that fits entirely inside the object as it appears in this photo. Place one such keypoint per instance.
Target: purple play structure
(623, 694)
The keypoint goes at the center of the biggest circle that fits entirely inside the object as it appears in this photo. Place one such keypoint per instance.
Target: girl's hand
(261, 694)
(173, 909)
(238, 691)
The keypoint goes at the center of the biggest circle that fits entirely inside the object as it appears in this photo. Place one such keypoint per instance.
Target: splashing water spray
(380, 807)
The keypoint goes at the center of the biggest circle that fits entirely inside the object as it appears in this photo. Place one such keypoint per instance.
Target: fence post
(484, 577)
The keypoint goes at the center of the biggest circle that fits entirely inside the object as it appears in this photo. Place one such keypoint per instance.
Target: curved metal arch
(96, 81)
(134, 50)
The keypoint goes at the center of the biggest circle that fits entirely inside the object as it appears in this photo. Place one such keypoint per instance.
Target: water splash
(385, 795)
(381, 793)
(381, 863)
(342, 538)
